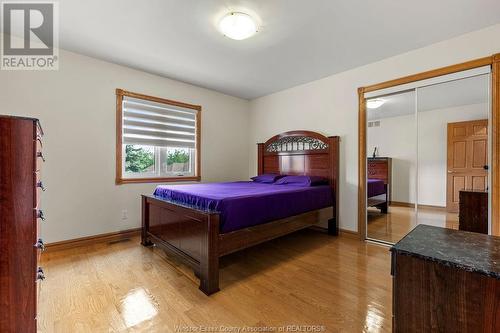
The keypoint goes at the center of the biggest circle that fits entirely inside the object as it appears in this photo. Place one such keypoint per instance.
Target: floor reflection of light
(137, 306)
(373, 321)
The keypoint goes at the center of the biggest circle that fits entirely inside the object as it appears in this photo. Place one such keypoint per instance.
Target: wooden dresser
(473, 212)
(446, 280)
(381, 168)
(20, 215)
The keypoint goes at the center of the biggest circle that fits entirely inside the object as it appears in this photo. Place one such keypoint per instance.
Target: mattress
(245, 204)
(375, 187)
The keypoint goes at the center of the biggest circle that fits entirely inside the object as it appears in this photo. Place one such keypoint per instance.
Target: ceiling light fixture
(236, 25)
(374, 103)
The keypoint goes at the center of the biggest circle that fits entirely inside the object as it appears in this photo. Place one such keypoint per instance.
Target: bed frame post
(260, 158)
(333, 227)
(334, 147)
(209, 260)
(145, 223)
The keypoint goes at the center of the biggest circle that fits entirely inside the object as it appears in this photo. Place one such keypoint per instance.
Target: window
(157, 139)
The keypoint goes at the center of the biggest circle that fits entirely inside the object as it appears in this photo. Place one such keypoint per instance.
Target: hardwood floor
(306, 278)
(399, 221)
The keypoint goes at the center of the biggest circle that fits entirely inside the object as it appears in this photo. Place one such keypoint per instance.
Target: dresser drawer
(40, 159)
(37, 295)
(38, 255)
(38, 199)
(378, 165)
(39, 186)
(378, 169)
(40, 276)
(39, 144)
(39, 130)
(39, 248)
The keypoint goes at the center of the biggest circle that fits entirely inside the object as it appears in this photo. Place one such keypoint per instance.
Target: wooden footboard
(189, 234)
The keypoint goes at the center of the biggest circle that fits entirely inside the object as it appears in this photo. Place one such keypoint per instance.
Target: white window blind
(150, 123)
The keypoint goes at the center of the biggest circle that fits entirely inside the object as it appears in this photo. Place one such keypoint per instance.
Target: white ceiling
(299, 40)
(474, 90)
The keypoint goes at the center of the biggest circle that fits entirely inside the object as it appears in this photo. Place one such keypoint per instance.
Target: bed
(377, 194)
(199, 223)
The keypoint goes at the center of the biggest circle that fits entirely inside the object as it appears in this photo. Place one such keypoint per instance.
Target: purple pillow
(302, 181)
(267, 178)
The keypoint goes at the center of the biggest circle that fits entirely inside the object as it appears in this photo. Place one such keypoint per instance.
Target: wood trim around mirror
(495, 157)
(362, 165)
(494, 62)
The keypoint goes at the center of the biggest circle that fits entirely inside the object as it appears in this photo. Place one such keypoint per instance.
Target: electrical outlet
(124, 214)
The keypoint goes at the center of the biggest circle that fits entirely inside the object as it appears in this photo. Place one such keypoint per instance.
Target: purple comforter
(375, 187)
(244, 204)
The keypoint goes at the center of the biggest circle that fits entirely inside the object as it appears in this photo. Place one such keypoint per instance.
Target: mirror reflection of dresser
(381, 168)
(473, 215)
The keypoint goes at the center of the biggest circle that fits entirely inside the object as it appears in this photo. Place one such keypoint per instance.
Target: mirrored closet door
(428, 153)
(453, 152)
(391, 138)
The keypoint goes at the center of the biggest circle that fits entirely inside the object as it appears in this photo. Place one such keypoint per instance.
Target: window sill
(157, 180)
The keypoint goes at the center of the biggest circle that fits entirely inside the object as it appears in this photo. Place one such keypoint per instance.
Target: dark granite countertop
(465, 250)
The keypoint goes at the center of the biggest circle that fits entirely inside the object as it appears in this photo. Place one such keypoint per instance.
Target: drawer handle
(40, 245)
(40, 185)
(40, 154)
(40, 215)
(39, 139)
(40, 275)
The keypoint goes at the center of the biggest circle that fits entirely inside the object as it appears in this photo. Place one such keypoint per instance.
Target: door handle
(41, 186)
(486, 167)
(40, 245)
(40, 215)
(40, 154)
(40, 275)
(449, 171)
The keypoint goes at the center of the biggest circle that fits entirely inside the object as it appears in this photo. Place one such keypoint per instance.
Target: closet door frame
(494, 62)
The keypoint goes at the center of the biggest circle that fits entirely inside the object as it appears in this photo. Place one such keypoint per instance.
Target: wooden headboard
(302, 153)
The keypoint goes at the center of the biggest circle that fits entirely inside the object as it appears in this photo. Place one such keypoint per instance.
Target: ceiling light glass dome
(238, 26)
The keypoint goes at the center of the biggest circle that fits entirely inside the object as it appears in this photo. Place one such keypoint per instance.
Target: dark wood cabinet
(381, 168)
(446, 280)
(20, 246)
(473, 212)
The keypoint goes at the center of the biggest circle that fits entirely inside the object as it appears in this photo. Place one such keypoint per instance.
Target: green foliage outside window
(138, 159)
(177, 156)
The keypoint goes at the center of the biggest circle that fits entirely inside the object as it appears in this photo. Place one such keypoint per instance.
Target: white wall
(396, 137)
(330, 105)
(76, 106)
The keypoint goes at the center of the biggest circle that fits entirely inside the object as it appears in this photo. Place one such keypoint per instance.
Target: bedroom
(283, 78)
